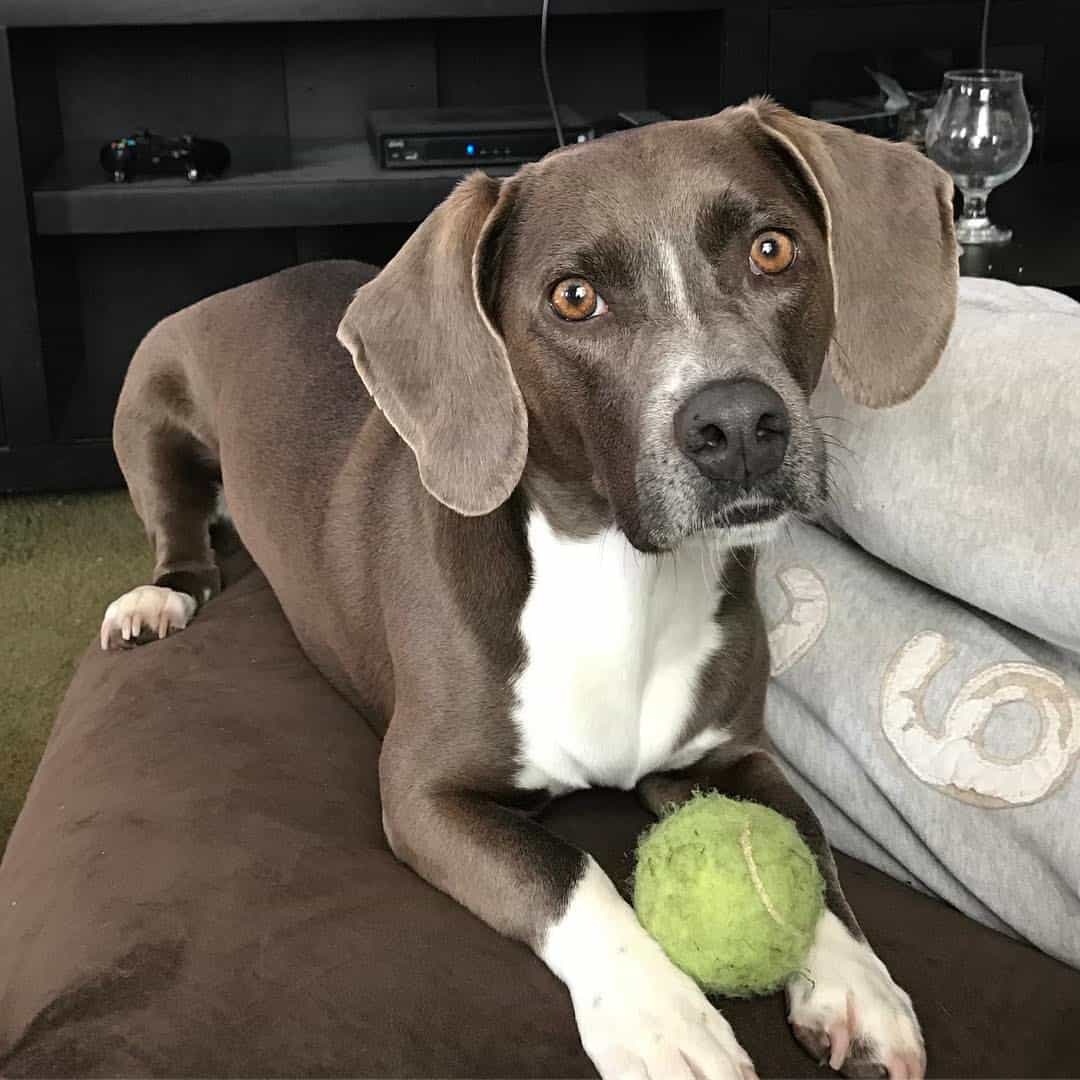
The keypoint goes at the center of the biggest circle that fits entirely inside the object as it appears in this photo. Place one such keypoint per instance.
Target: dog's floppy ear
(889, 217)
(432, 360)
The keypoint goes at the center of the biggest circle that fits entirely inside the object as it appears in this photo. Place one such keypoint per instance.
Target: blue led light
(470, 149)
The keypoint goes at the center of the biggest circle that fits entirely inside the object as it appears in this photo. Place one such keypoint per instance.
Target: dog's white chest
(615, 642)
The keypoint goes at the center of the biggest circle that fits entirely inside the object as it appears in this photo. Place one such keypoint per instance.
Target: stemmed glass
(980, 131)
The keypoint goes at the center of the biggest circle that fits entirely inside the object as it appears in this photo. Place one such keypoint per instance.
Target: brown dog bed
(199, 885)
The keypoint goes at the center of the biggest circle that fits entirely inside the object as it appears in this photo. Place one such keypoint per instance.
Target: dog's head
(641, 320)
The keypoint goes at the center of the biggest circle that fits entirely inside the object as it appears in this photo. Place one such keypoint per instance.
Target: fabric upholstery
(198, 885)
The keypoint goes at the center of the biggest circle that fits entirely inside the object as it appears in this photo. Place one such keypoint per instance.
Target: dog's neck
(574, 507)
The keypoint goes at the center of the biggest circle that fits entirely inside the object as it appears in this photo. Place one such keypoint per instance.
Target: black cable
(544, 72)
(982, 36)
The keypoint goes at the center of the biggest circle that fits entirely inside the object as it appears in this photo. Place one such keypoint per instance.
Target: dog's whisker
(705, 573)
(838, 479)
(831, 440)
(818, 417)
(842, 351)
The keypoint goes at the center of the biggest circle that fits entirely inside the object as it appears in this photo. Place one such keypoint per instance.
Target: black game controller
(145, 153)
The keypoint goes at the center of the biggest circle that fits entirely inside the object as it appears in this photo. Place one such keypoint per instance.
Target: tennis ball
(731, 892)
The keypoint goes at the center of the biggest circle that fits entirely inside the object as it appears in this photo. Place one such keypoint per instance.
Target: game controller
(145, 153)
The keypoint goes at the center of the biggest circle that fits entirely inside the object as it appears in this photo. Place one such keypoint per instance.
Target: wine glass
(980, 131)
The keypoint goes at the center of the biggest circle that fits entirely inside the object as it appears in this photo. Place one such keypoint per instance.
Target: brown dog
(531, 564)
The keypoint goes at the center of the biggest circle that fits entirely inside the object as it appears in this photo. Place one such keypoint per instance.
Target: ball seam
(755, 877)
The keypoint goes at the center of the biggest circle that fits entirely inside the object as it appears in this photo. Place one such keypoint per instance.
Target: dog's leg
(845, 1009)
(638, 1015)
(173, 481)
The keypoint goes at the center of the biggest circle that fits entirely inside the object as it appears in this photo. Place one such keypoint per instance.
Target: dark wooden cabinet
(87, 267)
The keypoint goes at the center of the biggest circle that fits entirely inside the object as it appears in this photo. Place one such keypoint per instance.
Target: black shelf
(273, 183)
(87, 267)
(18, 13)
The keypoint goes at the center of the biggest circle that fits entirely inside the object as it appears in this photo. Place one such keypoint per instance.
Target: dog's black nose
(734, 429)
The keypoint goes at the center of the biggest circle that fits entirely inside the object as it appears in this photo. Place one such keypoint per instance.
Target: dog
(522, 542)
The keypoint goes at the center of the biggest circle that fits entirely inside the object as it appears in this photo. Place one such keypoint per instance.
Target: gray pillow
(934, 741)
(974, 484)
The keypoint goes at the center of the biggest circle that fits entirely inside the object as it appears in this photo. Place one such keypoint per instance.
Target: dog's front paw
(145, 614)
(638, 1015)
(649, 1020)
(846, 1010)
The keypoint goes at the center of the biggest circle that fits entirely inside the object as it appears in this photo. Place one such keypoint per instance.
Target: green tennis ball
(731, 892)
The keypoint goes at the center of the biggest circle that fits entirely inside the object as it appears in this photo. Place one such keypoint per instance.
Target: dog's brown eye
(574, 299)
(772, 252)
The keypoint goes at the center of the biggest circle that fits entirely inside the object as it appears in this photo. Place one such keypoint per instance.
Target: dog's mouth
(742, 522)
(675, 503)
(742, 512)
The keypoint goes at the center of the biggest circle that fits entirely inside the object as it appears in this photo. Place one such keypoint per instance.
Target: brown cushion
(199, 885)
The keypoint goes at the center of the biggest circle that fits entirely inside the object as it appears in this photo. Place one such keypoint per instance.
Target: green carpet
(63, 558)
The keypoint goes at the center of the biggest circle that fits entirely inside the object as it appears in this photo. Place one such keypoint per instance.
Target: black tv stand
(88, 266)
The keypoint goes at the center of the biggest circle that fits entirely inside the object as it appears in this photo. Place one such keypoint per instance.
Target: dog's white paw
(847, 1010)
(145, 614)
(651, 1021)
(638, 1015)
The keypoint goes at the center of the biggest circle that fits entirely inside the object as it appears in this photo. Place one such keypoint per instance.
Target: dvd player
(422, 138)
